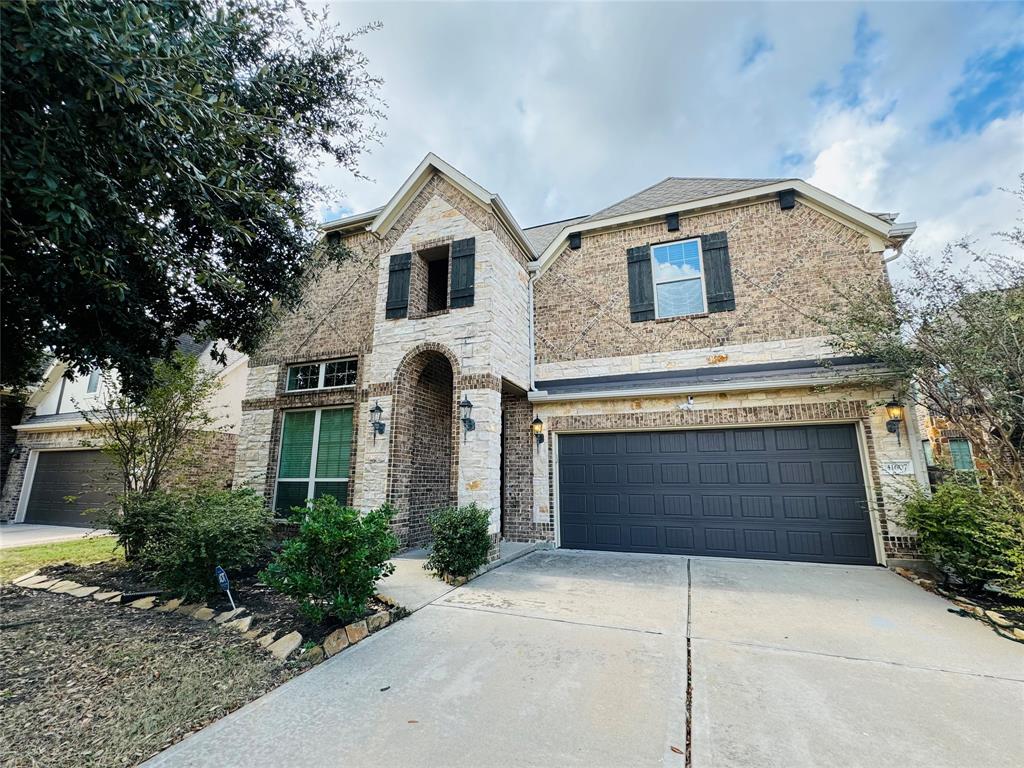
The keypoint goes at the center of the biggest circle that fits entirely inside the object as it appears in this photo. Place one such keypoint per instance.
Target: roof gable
(430, 164)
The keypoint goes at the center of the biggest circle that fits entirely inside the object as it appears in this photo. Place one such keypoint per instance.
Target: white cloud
(565, 108)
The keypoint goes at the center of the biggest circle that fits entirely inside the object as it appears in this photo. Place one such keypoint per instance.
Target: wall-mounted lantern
(465, 411)
(375, 420)
(894, 415)
(538, 430)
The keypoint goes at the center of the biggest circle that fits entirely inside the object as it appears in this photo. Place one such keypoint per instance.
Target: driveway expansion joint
(903, 665)
(546, 618)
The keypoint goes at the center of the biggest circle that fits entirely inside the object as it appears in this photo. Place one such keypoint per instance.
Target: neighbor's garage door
(87, 477)
(780, 493)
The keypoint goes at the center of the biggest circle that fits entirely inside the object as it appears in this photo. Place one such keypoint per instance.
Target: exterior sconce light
(894, 413)
(538, 430)
(375, 421)
(465, 409)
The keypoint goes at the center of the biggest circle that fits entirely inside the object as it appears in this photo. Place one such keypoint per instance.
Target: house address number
(897, 468)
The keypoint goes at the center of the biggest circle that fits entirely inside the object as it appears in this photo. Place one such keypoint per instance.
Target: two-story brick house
(643, 379)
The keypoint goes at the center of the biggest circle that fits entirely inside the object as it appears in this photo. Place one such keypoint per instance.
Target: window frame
(703, 282)
(311, 479)
(92, 384)
(322, 365)
(970, 454)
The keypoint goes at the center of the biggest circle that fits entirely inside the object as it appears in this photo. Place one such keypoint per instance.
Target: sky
(563, 109)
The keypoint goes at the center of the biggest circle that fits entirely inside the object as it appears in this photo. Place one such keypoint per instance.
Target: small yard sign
(225, 585)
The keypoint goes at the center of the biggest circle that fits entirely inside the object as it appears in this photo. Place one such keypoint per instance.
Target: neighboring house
(945, 446)
(662, 348)
(56, 477)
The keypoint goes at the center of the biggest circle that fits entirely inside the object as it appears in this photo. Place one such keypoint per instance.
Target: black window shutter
(463, 272)
(641, 284)
(398, 286)
(717, 272)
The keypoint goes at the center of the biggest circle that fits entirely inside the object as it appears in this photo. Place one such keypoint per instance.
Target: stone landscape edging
(280, 646)
(1002, 625)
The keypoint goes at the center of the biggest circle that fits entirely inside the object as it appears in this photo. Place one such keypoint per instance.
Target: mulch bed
(84, 683)
(271, 609)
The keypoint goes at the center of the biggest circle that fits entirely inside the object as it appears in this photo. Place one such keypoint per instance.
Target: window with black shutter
(641, 290)
(398, 286)
(680, 278)
(463, 272)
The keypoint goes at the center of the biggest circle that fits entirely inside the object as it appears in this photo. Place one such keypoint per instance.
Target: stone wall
(792, 406)
(785, 264)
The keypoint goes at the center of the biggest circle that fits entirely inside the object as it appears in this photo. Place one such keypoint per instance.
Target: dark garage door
(87, 476)
(779, 493)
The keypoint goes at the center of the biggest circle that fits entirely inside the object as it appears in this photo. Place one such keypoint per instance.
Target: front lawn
(18, 560)
(85, 683)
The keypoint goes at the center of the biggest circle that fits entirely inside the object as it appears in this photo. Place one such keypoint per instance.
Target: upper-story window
(93, 383)
(678, 279)
(328, 375)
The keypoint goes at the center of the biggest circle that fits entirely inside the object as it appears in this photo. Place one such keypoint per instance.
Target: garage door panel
(71, 488)
(741, 492)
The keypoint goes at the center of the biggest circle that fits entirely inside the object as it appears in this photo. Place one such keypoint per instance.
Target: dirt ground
(88, 684)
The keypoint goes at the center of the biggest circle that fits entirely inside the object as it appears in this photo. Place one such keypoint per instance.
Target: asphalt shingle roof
(675, 190)
(540, 237)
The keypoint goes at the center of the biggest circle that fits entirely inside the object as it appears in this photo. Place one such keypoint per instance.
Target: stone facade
(785, 265)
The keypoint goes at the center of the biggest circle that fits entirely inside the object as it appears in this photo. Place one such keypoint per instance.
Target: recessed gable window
(329, 375)
(93, 384)
(678, 279)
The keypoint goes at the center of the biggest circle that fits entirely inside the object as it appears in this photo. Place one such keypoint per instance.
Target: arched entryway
(424, 451)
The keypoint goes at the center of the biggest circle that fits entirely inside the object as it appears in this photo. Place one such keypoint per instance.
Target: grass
(19, 560)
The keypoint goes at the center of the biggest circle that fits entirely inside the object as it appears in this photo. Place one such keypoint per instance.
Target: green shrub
(206, 529)
(142, 517)
(461, 540)
(333, 563)
(973, 531)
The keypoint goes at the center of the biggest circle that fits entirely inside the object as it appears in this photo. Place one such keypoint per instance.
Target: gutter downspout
(533, 340)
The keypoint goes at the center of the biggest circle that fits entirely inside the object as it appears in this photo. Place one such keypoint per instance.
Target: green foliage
(156, 171)
(952, 333)
(186, 541)
(461, 540)
(333, 563)
(973, 531)
(143, 517)
(162, 430)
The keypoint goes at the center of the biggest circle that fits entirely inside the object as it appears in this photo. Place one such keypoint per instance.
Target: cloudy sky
(563, 109)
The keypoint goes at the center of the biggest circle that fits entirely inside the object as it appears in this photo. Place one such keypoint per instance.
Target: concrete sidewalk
(27, 534)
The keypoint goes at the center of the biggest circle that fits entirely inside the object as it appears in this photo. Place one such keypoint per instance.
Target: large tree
(157, 172)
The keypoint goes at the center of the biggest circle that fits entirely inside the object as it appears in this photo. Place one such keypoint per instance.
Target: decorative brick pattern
(783, 265)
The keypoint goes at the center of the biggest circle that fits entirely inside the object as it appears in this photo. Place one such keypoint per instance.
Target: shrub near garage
(333, 563)
(461, 540)
(972, 531)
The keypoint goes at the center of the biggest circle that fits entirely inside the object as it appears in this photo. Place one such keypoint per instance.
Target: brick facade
(797, 406)
(424, 444)
(785, 264)
(518, 443)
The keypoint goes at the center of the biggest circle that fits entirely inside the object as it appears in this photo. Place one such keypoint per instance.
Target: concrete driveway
(570, 658)
(26, 534)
